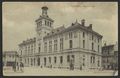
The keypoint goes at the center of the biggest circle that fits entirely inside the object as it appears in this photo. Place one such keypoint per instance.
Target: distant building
(78, 45)
(110, 56)
(10, 58)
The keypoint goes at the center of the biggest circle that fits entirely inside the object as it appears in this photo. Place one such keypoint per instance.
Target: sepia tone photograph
(60, 38)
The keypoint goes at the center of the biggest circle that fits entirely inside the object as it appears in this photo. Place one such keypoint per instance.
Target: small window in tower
(45, 22)
(50, 24)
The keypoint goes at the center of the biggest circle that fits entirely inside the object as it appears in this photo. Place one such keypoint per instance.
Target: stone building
(110, 56)
(78, 45)
(10, 58)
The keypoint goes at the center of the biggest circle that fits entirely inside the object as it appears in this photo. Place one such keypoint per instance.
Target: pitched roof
(28, 41)
(75, 25)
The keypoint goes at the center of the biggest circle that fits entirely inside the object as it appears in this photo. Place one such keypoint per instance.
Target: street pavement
(37, 71)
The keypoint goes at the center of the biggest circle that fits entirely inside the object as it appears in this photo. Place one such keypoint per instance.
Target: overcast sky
(19, 19)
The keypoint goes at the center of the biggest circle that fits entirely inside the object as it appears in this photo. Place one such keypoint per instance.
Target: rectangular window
(45, 46)
(91, 59)
(92, 46)
(83, 34)
(66, 36)
(21, 52)
(70, 35)
(61, 59)
(55, 45)
(61, 44)
(94, 59)
(83, 43)
(50, 46)
(70, 43)
(83, 61)
(75, 34)
(98, 48)
(98, 63)
(98, 40)
(39, 48)
(49, 59)
(55, 59)
(50, 24)
(68, 58)
(92, 37)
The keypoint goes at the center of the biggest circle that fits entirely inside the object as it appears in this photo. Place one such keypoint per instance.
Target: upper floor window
(75, 34)
(66, 36)
(61, 59)
(71, 44)
(98, 48)
(94, 59)
(92, 37)
(98, 40)
(45, 46)
(55, 45)
(70, 35)
(83, 34)
(50, 46)
(39, 47)
(98, 63)
(83, 43)
(45, 22)
(91, 59)
(21, 52)
(50, 24)
(61, 43)
(40, 23)
(92, 46)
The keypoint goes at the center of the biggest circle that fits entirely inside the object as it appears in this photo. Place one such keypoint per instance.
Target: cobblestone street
(35, 71)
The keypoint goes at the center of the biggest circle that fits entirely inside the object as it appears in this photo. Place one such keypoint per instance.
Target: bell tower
(44, 25)
(44, 11)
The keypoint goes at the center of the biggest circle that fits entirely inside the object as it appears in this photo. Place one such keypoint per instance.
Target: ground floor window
(61, 59)
(38, 61)
(55, 58)
(45, 61)
(49, 59)
(68, 58)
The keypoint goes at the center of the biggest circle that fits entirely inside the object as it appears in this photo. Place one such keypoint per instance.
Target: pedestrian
(21, 67)
(14, 67)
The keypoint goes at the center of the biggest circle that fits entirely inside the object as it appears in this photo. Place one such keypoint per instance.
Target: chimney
(83, 22)
(104, 44)
(72, 24)
(90, 26)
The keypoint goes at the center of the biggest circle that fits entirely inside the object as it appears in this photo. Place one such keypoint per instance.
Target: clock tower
(44, 25)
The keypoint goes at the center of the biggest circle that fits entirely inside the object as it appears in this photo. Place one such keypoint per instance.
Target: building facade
(110, 56)
(77, 46)
(10, 58)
